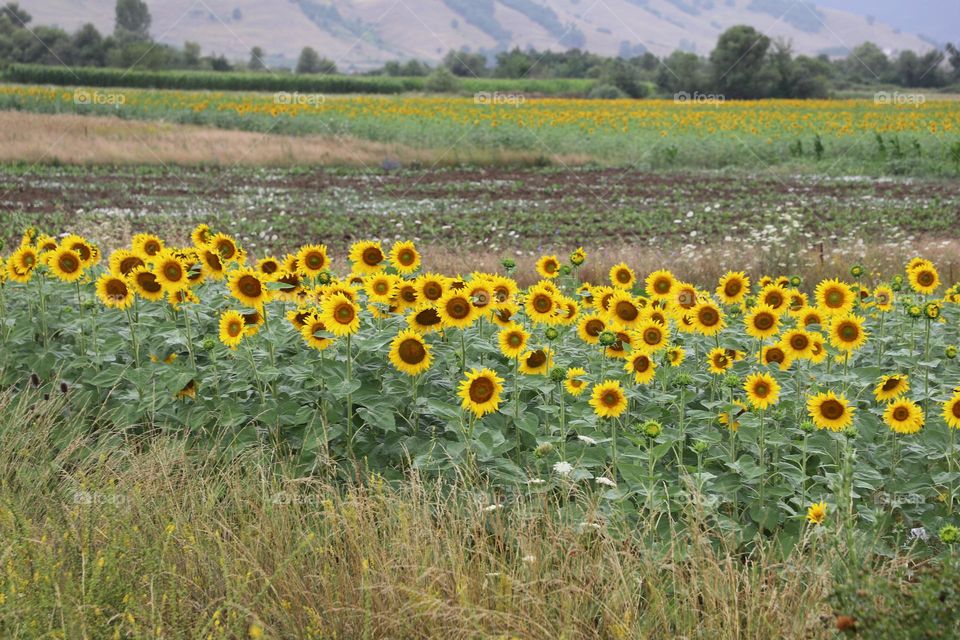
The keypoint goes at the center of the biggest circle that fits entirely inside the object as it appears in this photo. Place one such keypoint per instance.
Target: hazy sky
(938, 19)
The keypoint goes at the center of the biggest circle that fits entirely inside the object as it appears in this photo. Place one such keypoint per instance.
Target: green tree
(132, 20)
(682, 71)
(256, 60)
(465, 65)
(311, 62)
(866, 64)
(88, 46)
(739, 63)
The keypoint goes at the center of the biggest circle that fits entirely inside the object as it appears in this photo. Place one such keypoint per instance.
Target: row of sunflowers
(771, 405)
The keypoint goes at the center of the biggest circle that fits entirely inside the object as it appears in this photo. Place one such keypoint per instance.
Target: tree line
(744, 64)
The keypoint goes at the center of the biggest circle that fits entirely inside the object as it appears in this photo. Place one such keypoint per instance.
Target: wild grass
(114, 531)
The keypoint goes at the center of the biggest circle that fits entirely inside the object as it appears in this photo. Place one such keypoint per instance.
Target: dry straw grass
(86, 140)
(144, 536)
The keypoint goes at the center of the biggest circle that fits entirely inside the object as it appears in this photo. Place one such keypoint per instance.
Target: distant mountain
(358, 34)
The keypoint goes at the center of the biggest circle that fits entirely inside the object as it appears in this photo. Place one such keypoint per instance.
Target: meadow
(838, 137)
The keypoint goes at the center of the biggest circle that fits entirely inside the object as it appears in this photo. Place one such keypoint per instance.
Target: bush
(606, 92)
(442, 81)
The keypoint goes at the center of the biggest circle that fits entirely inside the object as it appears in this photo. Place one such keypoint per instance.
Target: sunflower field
(772, 405)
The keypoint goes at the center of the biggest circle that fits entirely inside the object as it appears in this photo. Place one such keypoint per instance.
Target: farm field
(413, 366)
(828, 136)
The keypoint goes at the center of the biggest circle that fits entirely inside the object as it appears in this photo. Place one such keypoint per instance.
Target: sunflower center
(250, 286)
(315, 261)
(832, 409)
(901, 413)
(708, 316)
(269, 267)
(213, 261)
(151, 248)
(432, 291)
(68, 263)
(82, 250)
(652, 336)
(641, 364)
(345, 314)
(542, 303)
(732, 288)
(148, 282)
(408, 294)
(172, 271)
(799, 342)
(763, 321)
(774, 299)
(29, 260)
(661, 285)
(626, 311)
(721, 361)
(458, 308)
(481, 298)
(891, 384)
(610, 398)
(761, 390)
(956, 410)
(381, 287)
(883, 299)
(925, 278)
(536, 359)
(116, 289)
(372, 256)
(235, 328)
(481, 390)
(775, 354)
(129, 264)
(412, 351)
(550, 266)
(515, 340)
(834, 298)
(226, 250)
(406, 257)
(428, 317)
(848, 332)
(593, 327)
(623, 276)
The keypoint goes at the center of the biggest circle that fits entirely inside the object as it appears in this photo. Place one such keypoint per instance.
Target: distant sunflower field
(771, 405)
(920, 137)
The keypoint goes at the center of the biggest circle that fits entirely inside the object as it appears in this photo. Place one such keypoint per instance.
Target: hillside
(363, 33)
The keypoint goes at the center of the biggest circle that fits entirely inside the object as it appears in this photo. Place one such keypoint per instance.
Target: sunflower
(776, 354)
(21, 264)
(541, 305)
(252, 323)
(480, 391)
(310, 325)
(340, 315)
(367, 257)
(232, 329)
(951, 411)
(762, 322)
(212, 264)
(123, 261)
(810, 316)
(830, 411)
(145, 284)
(891, 387)
(170, 270)
(425, 319)
(227, 248)
(731, 419)
(456, 310)
(247, 286)
(797, 301)
(817, 513)
(762, 390)
(406, 296)
(409, 353)
(718, 361)
(65, 264)
(608, 399)
(834, 297)
(536, 362)
(480, 293)
(431, 286)
(904, 416)
(774, 296)
(847, 332)
(568, 310)
(548, 266)
(733, 287)
(623, 310)
(818, 352)
(381, 287)
(797, 343)
(45, 243)
(176, 299)
(312, 260)
(574, 382)
(653, 336)
(685, 295)
(290, 285)
(504, 313)
(659, 284)
(404, 257)
(291, 263)
(504, 289)
(641, 366)
(707, 318)
(621, 347)
(578, 257)
(114, 292)
(269, 266)
(924, 278)
(622, 276)
(513, 340)
(201, 235)
(147, 245)
(676, 356)
(590, 327)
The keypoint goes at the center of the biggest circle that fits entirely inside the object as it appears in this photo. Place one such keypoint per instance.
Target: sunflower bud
(699, 447)
(565, 270)
(558, 374)
(551, 333)
(509, 264)
(856, 271)
(796, 281)
(607, 338)
(932, 310)
(950, 352)
(324, 277)
(543, 450)
(850, 432)
(731, 380)
(681, 380)
(578, 257)
(651, 428)
(914, 311)
(807, 426)
(949, 534)
(896, 286)
(209, 344)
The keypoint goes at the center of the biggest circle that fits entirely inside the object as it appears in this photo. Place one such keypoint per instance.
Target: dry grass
(140, 537)
(88, 140)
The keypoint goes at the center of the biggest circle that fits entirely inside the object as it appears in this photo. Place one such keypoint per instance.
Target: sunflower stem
(613, 445)
(193, 358)
(133, 339)
(880, 340)
(763, 462)
(349, 397)
(83, 346)
(926, 366)
(516, 403)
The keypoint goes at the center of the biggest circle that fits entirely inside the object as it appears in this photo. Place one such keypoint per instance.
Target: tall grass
(111, 531)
